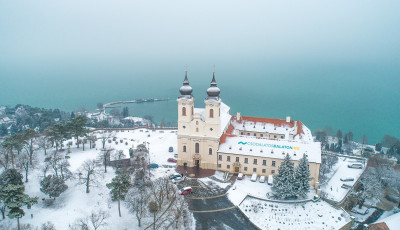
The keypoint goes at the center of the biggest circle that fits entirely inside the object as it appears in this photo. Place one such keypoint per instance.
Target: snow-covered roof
(225, 117)
(392, 222)
(293, 130)
(200, 112)
(262, 147)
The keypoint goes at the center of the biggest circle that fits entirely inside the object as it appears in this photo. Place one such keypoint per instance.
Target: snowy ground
(245, 187)
(333, 188)
(308, 215)
(75, 203)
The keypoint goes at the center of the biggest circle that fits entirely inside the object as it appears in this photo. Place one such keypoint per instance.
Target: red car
(171, 160)
(185, 190)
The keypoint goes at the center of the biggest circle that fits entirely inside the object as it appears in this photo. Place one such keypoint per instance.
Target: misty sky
(186, 31)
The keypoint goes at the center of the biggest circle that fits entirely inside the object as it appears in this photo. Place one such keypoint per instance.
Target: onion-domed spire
(186, 89)
(213, 92)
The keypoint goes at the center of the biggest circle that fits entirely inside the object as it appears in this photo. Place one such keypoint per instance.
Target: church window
(197, 129)
(211, 113)
(245, 168)
(228, 166)
(237, 159)
(263, 171)
(211, 129)
(254, 169)
(197, 148)
(255, 161)
(246, 160)
(210, 151)
(197, 122)
(219, 165)
(183, 111)
(273, 163)
(184, 148)
(228, 158)
(264, 162)
(220, 157)
(192, 110)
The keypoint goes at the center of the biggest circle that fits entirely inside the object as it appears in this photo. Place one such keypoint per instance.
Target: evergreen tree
(15, 198)
(119, 187)
(284, 182)
(125, 112)
(53, 186)
(3, 130)
(10, 176)
(77, 127)
(378, 147)
(339, 134)
(302, 177)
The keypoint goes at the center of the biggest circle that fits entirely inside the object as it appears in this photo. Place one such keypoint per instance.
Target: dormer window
(261, 151)
(230, 147)
(240, 148)
(251, 150)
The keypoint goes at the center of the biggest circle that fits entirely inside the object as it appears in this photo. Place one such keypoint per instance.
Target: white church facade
(211, 138)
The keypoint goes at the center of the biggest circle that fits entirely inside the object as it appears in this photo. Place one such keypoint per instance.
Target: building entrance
(237, 169)
(197, 163)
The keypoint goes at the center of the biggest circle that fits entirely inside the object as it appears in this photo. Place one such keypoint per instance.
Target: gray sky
(194, 30)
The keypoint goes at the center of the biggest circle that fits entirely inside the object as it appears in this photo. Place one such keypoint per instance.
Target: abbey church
(211, 138)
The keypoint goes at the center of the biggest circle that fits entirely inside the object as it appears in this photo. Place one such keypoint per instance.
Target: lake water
(360, 97)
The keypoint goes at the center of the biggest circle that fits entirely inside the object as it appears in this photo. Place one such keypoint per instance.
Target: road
(213, 210)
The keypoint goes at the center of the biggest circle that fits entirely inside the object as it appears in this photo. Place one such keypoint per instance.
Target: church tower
(199, 130)
(213, 108)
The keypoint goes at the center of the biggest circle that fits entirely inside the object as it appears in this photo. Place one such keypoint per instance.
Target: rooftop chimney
(288, 119)
(238, 116)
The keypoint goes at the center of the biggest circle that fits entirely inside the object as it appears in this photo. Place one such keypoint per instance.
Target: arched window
(197, 130)
(210, 151)
(183, 111)
(184, 148)
(197, 148)
(211, 113)
(192, 110)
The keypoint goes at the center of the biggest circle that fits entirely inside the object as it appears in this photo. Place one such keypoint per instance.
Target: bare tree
(369, 187)
(23, 162)
(105, 136)
(104, 157)
(164, 205)
(98, 219)
(137, 200)
(4, 157)
(43, 143)
(88, 173)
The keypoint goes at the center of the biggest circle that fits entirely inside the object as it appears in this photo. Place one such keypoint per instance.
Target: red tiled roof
(276, 122)
(378, 226)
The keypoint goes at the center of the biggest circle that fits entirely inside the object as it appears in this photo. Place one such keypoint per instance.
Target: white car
(254, 177)
(262, 179)
(240, 176)
(178, 179)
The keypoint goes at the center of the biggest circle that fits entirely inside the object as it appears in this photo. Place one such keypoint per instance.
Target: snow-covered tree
(284, 182)
(16, 198)
(53, 186)
(119, 187)
(104, 156)
(302, 174)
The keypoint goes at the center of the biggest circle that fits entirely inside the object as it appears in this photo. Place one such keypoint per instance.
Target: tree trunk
(19, 226)
(119, 207)
(154, 224)
(77, 141)
(26, 172)
(83, 145)
(3, 212)
(105, 163)
(87, 182)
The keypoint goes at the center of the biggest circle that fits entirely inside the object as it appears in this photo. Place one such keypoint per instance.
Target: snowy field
(75, 203)
(333, 188)
(307, 215)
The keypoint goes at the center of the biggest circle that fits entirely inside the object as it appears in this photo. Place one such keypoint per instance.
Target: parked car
(355, 166)
(175, 175)
(254, 177)
(185, 190)
(178, 179)
(345, 186)
(240, 176)
(172, 160)
(347, 179)
(262, 179)
(270, 180)
(171, 149)
(152, 166)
